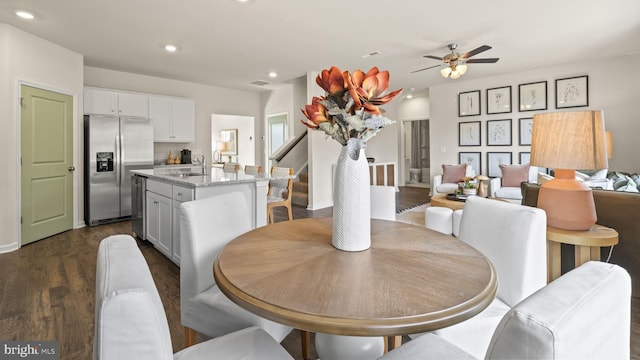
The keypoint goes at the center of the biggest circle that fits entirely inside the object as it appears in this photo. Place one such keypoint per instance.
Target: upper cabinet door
(160, 114)
(182, 118)
(109, 102)
(100, 102)
(136, 105)
(173, 119)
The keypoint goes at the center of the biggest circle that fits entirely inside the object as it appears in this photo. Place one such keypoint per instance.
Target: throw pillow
(513, 175)
(453, 173)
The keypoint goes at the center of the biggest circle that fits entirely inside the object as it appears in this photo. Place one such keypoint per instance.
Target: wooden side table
(587, 245)
(442, 201)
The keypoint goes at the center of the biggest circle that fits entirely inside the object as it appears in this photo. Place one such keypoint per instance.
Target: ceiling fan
(456, 63)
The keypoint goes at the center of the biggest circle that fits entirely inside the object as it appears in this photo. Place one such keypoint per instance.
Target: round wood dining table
(411, 280)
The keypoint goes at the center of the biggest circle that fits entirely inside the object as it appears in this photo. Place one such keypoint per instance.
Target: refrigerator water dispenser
(104, 161)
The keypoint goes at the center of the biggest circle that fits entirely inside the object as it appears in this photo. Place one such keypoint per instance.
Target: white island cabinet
(168, 188)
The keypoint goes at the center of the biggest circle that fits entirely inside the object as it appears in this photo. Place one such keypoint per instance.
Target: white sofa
(130, 321)
(584, 314)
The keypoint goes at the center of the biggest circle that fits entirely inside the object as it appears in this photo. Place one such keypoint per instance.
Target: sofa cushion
(447, 188)
(509, 193)
(453, 173)
(514, 175)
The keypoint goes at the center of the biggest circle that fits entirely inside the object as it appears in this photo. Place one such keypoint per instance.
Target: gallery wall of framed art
(507, 116)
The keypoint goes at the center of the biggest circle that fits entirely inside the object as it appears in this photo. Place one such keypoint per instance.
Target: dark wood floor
(47, 288)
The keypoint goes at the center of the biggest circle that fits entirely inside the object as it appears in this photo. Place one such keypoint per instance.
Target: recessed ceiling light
(24, 14)
(409, 96)
(171, 48)
(273, 74)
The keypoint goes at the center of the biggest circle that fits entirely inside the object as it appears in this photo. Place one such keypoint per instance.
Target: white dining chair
(206, 227)
(584, 314)
(130, 321)
(230, 167)
(513, 237)
(383, 202)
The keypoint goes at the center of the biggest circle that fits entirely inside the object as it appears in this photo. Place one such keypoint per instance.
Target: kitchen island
(167, 188)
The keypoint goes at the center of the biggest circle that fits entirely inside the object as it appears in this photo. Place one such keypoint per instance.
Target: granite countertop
(214, 176)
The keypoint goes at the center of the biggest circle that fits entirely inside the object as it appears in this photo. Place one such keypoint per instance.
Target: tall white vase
(352, 199)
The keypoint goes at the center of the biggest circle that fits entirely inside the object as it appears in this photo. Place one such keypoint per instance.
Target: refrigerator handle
(118, 160)
(122, 159)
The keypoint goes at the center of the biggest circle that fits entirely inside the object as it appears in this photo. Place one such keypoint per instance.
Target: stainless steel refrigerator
(113, 147)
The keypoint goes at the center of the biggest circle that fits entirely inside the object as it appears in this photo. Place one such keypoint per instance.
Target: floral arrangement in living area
(350, 109)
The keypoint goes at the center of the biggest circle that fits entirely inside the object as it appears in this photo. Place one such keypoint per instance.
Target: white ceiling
(231, 44)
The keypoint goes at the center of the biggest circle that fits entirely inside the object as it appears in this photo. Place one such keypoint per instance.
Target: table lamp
(566, 141)
(482, 187)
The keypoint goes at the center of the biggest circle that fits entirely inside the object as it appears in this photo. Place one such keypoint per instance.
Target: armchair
(507, 187)
(447, 182)
(584, 314)
(513, 237)
(130, 321)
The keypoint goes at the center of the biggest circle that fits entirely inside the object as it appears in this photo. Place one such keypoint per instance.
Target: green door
(47, 163)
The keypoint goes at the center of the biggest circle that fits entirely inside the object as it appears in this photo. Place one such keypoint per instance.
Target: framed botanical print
(469, 103)
(524, 158)
(499, 132)
(499, 100)
(572, 92)
(494, 159)
(525, 130)
(472, 159)
(533, 96)
(469, 133)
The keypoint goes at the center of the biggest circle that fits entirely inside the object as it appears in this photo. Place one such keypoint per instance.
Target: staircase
(301, 191)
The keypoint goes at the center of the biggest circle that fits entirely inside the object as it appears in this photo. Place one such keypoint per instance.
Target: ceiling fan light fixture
(455, 74)
(462, 68)
(445, 71)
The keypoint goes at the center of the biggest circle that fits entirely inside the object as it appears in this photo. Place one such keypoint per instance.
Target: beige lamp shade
(569, 140)
(566, 141)
(609, 138)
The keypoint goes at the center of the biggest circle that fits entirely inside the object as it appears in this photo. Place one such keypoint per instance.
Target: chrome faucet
(203, 161)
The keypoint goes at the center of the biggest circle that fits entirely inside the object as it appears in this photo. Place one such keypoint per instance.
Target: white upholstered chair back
(281, 184)
(130, 320)
(513, 237)
(584, 314)
(383, 202)
(206, 227)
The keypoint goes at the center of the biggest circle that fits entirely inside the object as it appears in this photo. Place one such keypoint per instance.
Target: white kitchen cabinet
(110, 102)
(159, 224)
(173, 119)
(180, 195)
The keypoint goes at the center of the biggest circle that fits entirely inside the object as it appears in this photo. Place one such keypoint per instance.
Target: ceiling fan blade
(433, 57)
(483, 61)
(476, 51)
(427, 68)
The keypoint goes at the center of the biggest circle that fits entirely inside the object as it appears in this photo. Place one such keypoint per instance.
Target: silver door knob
(71, 168)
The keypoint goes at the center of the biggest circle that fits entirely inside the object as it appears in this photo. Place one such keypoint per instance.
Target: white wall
(614, 85)
(246, 137)
(209, 100)
(27, 59)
